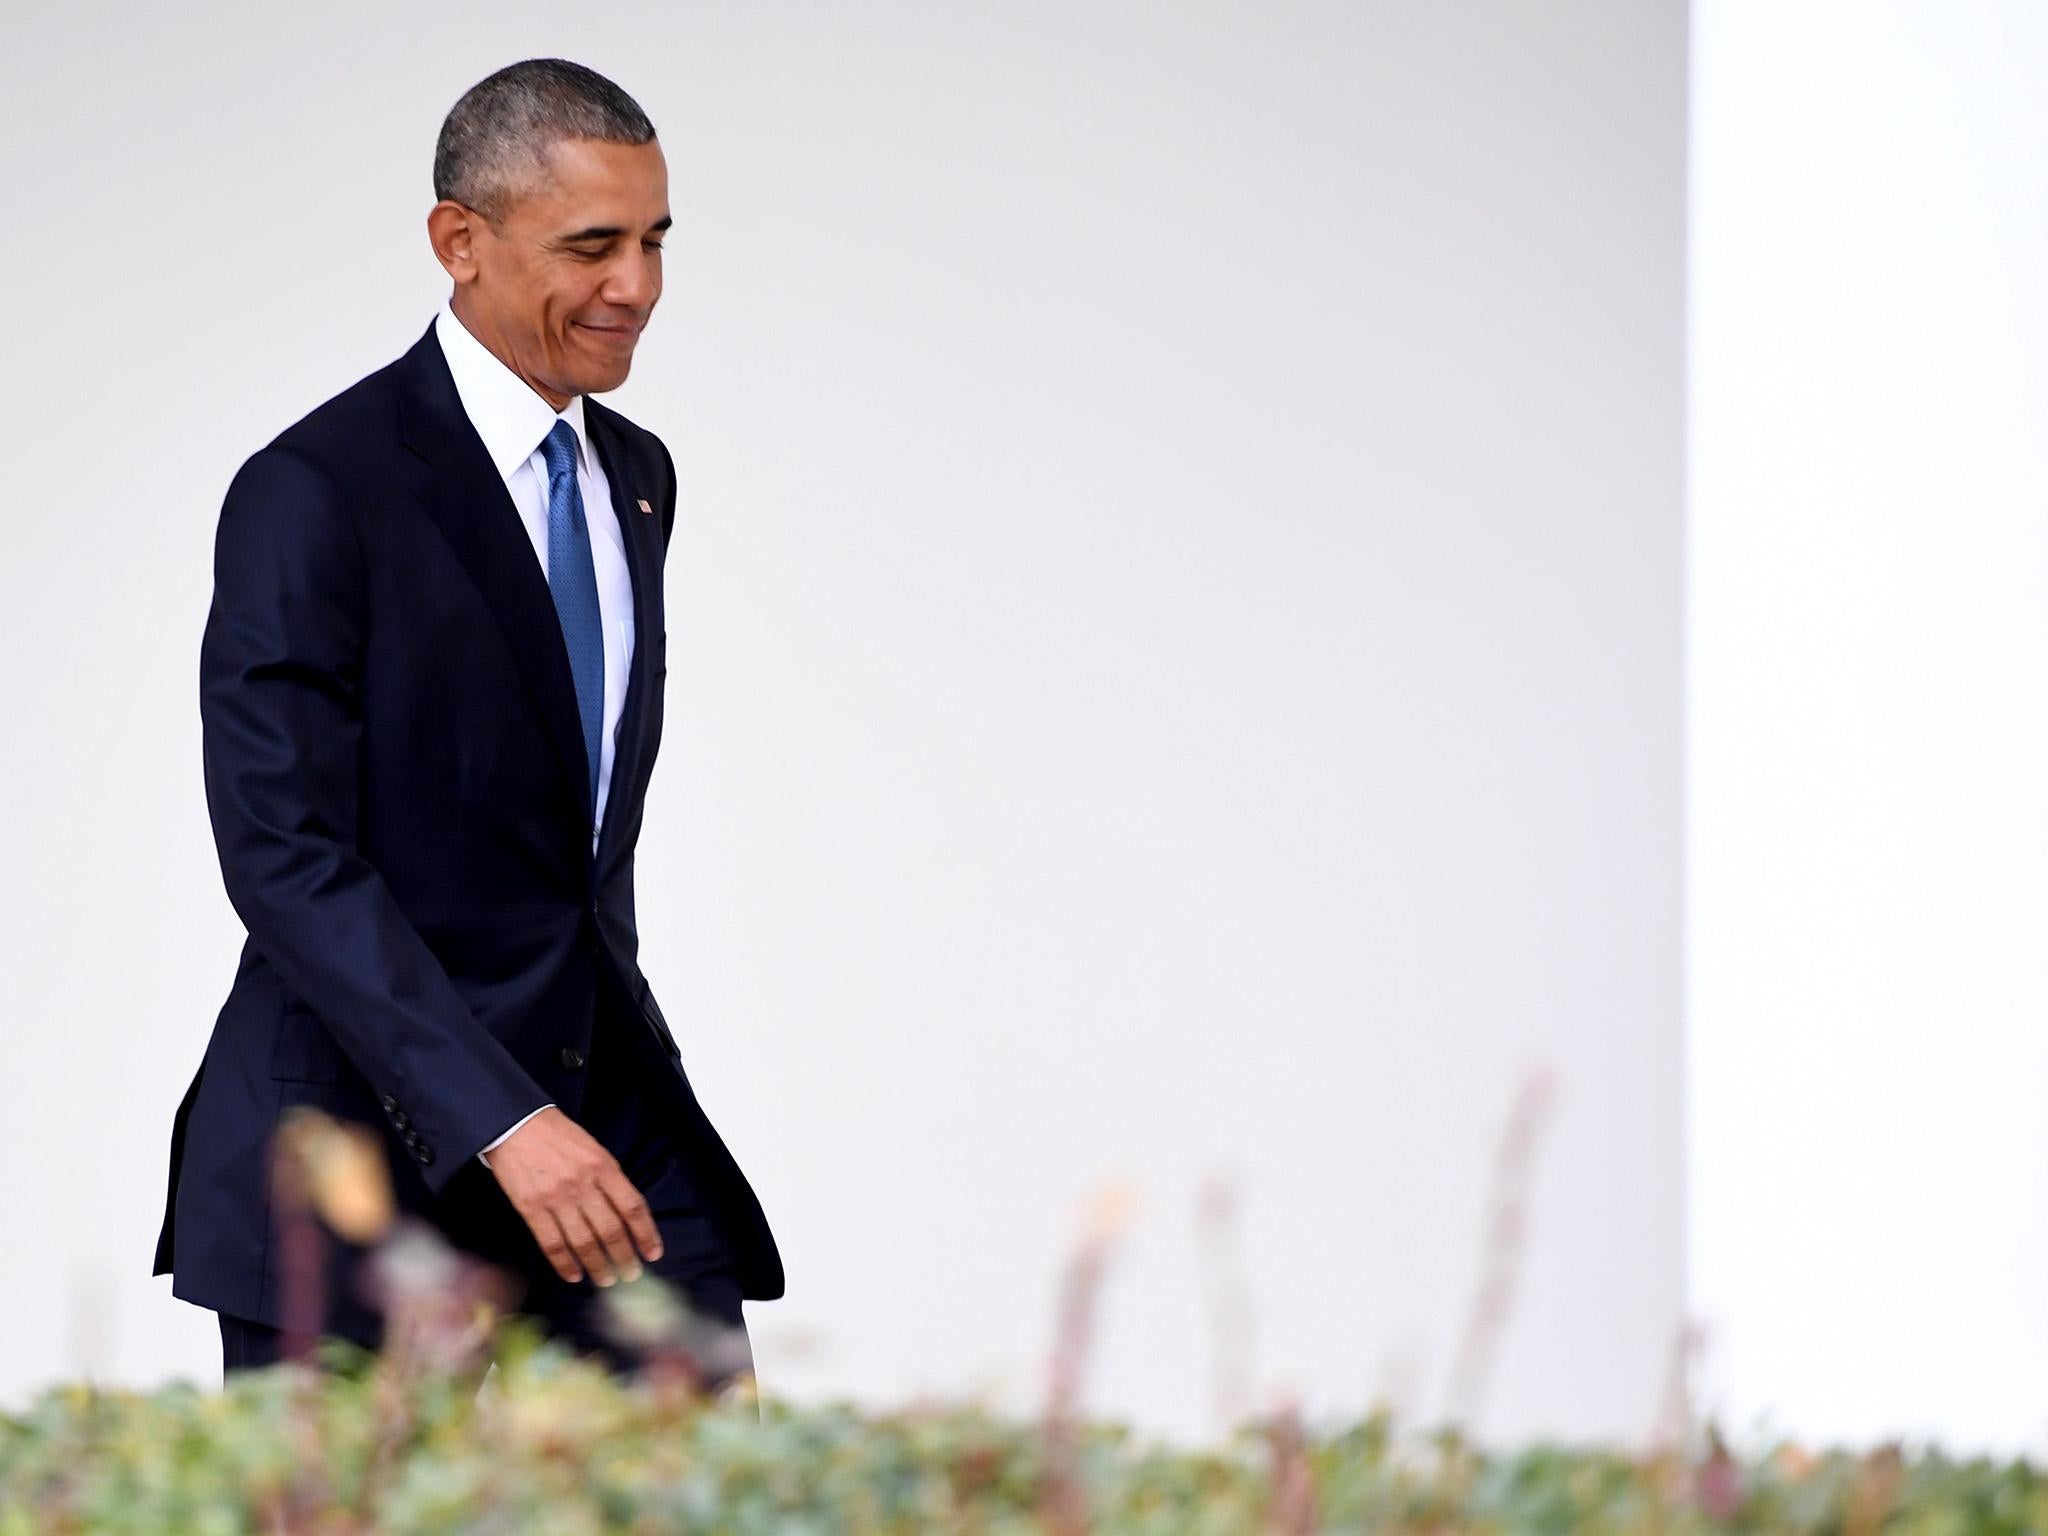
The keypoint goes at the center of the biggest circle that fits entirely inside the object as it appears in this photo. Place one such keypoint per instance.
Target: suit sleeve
(281, 712)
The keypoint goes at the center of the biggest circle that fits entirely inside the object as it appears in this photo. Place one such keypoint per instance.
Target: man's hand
(584, 1212)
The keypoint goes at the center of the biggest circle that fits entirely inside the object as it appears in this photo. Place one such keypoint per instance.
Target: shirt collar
(508, 415)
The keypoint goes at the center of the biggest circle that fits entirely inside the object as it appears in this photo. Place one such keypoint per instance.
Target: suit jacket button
(571, 1057)
(388, 1102)
(398, 1119)
(424, 1154)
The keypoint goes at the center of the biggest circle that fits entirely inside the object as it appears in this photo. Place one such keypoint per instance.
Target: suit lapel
(642, 536)
(467, 499)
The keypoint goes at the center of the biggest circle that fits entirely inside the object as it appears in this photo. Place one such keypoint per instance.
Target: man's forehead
(574, 198)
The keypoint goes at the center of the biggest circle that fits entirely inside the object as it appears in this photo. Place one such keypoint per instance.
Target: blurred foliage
(417, 1440)
(552, 1443)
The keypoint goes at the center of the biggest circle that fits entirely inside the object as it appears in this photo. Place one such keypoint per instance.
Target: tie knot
(560, 448)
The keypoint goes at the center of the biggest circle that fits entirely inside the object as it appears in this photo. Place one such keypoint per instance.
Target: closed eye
(598, 255)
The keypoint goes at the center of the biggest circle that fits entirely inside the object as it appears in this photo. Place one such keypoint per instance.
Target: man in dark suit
(431, 694)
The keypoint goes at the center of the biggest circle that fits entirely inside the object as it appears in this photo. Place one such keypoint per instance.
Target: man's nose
(634, 282)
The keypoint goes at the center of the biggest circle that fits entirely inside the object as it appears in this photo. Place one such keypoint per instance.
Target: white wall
(1868, 568)
(1174, 660)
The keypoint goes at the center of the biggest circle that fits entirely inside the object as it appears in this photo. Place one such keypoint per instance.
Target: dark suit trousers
(619, 1112)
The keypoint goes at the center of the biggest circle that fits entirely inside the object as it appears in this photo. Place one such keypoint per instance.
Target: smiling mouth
(612, 333)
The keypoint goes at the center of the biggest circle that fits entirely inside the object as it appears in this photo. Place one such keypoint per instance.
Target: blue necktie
(572, 578)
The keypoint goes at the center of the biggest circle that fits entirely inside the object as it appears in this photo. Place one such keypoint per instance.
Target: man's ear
(451, 230)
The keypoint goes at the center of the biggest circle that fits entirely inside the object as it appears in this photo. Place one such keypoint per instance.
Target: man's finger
(611, 1232)
(555, 1246)
(585, 1242)
(633, 1211)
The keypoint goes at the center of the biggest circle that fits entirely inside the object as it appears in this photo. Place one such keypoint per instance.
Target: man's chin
(599, 381)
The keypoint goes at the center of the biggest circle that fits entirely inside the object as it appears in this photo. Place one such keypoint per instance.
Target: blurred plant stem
(1506, 1230)
(1063, 1494)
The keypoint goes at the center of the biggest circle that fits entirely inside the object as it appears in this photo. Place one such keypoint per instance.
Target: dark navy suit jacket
(398, 786)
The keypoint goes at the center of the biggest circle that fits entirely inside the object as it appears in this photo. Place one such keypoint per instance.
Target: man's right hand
(583, 1210)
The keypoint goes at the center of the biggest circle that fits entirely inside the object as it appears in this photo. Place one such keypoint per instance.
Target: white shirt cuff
(501, 1140)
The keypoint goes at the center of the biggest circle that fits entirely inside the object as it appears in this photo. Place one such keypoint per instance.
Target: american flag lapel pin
(643, 505)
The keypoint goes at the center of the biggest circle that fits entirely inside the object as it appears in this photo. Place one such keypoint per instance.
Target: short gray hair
(493, 145)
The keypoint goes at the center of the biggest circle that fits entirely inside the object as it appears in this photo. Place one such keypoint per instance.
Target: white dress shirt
(513, 422)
